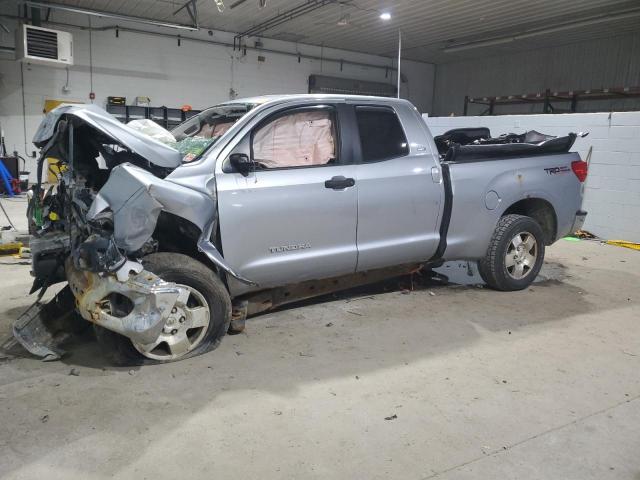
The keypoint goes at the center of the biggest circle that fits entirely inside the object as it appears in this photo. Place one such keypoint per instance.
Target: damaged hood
(151, 150)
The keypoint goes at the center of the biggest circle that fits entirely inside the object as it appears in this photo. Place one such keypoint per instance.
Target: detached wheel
(515, 254)
(196, 325)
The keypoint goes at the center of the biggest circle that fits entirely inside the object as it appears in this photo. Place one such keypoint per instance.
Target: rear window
(381, 134)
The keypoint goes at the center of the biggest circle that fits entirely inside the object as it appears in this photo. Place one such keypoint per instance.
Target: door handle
(339, 183)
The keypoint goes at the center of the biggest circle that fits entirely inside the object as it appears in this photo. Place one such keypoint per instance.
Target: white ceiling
(428, 26)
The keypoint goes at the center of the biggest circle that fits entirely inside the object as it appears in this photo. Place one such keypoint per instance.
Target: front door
(294, 217)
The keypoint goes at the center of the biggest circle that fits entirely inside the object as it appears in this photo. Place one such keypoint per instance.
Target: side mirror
(241, 163)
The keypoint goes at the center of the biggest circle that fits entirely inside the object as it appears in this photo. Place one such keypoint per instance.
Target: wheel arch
(541, 211)
(176, 234)
(194, 242)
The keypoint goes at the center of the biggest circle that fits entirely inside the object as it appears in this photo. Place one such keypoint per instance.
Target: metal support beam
(546, 108)
(286, 16)
(236, 4)
(35, 17)
(574, 103)
(399, 61)
(99, 13)
(192, 9)
(297, 55)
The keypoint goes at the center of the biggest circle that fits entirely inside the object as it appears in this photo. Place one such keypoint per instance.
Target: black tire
(182, 269)
(493, 267)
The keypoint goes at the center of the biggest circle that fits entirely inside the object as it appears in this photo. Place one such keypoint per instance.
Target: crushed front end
(95, 241)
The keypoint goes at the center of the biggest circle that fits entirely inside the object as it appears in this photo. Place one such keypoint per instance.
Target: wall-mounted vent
(44, 46)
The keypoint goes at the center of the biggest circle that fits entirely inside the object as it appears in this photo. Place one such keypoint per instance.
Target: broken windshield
(201, 131)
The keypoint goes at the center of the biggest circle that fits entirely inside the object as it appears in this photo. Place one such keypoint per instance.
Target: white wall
(612, 193)
(195, 73)
(601, 63)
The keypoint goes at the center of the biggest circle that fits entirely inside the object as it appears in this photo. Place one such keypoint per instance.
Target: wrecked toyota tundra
(167, 242)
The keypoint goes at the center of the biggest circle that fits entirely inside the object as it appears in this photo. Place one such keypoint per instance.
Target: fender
(136, 197)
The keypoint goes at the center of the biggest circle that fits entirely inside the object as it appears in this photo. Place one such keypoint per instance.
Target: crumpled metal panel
(44, 327)
(152, 299)
(214, 255)
(136, 198)
(151, 150)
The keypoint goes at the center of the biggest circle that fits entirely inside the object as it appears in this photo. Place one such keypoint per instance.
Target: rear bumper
(578, 222)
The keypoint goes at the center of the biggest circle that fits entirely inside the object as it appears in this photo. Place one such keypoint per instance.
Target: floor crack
(533, 437)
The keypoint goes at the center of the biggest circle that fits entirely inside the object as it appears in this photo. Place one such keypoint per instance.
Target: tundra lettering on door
(289, 248)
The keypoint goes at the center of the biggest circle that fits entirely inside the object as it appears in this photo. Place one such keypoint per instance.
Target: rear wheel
(196, 324)
(515, 254)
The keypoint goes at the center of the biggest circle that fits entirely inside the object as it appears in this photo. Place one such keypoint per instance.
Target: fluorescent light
(542, 31)
(483, 43)
(385, 16)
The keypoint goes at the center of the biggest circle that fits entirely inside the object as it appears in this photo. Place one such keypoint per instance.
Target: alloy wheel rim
(521, 255)
(184, 330)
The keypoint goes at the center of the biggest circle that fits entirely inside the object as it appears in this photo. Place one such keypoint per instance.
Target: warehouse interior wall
(193, 73)
(601, 63)
(612, 189)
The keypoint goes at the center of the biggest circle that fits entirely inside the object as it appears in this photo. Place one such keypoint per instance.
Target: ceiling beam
(286, 16)
(192, 9)
(236, 4)
(634, 12)
(100, 13)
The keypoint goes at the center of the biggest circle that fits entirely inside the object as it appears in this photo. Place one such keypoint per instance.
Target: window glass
(297, 139)
(201, 131)
(381, 134)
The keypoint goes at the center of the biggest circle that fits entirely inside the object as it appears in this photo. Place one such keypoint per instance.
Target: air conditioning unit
(44, 46)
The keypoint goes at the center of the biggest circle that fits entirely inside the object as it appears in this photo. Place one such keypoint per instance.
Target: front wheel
(197, 323)
(515, 254)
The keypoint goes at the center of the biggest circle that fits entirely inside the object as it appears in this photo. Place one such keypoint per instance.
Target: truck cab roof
(274, 99)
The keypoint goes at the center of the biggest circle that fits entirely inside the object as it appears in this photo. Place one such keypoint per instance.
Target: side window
(300, 138)
(381, 134)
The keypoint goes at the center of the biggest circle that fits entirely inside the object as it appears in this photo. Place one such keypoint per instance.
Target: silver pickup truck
(170, 239)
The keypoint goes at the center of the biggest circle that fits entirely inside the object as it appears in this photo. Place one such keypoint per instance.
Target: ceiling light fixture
(385, 16)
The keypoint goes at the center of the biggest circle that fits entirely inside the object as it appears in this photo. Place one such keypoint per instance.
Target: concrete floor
(538, 384)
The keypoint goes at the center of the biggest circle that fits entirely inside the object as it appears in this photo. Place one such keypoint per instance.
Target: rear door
(293, 218)
(400, 192)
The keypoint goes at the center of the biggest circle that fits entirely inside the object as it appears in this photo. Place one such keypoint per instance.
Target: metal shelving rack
(549, 99)
(163, 116)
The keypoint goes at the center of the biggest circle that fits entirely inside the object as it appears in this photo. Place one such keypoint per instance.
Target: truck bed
(481, 186)
(465, 145)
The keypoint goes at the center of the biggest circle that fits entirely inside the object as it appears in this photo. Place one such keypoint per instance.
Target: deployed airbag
(299, 139)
